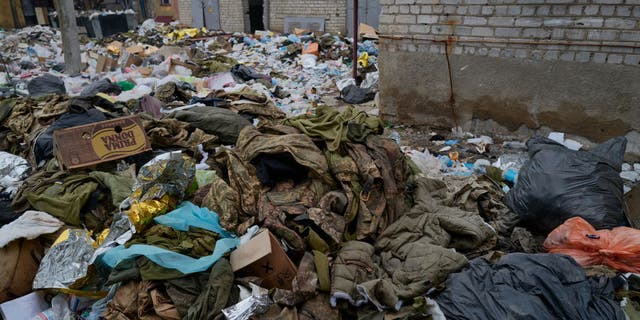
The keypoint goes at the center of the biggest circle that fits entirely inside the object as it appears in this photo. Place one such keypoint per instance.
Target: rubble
(192, 174)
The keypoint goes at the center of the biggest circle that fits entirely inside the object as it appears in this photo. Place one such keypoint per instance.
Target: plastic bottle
(395, 136)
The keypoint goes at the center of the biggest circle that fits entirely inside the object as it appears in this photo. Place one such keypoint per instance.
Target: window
(165, 3)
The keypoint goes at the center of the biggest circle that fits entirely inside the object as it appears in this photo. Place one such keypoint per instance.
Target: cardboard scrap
(299, 32)
(263, 256)
(175, 62)
(367, 31)
(105, 64)
(130, 59)
(632, 207)
(87, 145)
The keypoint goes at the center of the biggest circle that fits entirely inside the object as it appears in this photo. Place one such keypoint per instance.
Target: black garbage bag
(246, 73)
(557, 183)
(528, 286)
(211, 102)
(46, 84)
(104, 85)
(356, 95)
(43, 149)
(27, 65)
(59, 67)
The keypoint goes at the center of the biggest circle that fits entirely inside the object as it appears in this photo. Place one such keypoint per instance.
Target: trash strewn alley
(190, 173)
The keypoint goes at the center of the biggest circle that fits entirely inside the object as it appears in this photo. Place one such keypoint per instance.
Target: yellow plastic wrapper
(106, 97)
(363, 60)
(182, 33)
(141, 213)
(114, 47)
(161, 185)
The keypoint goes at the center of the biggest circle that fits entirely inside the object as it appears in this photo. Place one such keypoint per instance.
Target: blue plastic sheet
(187, 215)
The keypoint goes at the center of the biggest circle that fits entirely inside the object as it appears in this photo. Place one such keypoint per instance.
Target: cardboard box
(137, 49)
(168, 51)
(105, 64)
(130, 59)
(263, 257)
(99, 142)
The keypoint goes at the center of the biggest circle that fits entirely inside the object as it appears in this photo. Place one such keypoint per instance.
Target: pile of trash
(296, 71)
(208, 180)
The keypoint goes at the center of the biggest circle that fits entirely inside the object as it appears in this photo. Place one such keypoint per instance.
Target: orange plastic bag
(618, 248)
(312, 48)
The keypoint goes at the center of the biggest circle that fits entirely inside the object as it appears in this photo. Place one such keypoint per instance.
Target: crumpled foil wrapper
(258, 303)
(13, 170)
(66, 264)
(160, 186)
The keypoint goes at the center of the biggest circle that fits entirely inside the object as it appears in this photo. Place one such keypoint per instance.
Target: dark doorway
(256, 15)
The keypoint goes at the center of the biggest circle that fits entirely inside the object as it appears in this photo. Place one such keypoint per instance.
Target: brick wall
(232, 15)
(184, 12)
(334, 11)
(565, 30)
(519, 67)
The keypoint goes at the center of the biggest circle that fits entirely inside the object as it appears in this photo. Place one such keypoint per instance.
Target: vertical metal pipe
(355, 39)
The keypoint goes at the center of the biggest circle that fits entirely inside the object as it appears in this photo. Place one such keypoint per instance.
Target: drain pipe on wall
(354, 56)
(452, 98)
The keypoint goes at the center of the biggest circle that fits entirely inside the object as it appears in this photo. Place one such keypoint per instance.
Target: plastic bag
(356, 95)
(558, 183)
(46, 84)
(308, 60)
(425, 161)
(103, 85)
(363, 60)
(371, 80)
(246, 73)
(13, 170)
(343, 83)
(618, 248)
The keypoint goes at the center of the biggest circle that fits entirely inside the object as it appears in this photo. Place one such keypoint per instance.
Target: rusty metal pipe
(355, 40)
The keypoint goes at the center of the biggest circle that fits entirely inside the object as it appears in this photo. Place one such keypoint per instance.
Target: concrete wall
(516, 65)
(334, 11)
(232, 15)
(184, 12)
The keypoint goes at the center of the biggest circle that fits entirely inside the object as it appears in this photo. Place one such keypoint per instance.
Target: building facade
(506, 66)
(278, 15)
